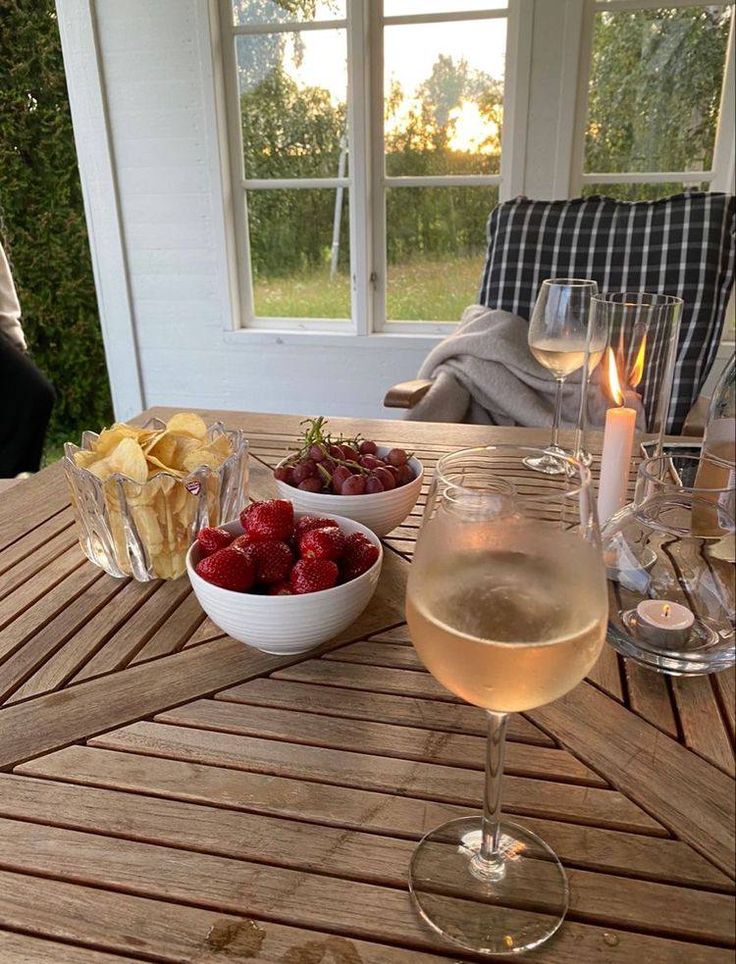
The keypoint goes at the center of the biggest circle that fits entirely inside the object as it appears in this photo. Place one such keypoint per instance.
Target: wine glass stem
(558, 414)
(488, 863)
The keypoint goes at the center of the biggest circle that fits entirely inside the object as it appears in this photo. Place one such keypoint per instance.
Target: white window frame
(367, 182)
(721, 175)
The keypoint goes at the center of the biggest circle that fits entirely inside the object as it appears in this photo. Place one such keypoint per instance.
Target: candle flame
(637, 372)
(614, 383)
(666, 610)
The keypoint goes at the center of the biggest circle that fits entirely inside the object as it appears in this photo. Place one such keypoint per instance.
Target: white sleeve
(9, 305)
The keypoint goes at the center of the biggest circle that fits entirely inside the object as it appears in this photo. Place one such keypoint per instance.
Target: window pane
(292, 101)
(284, 11)
(641, 192)
(655, 88)
(436, 246)
(398, 8)
(443, 90)
(291, 238)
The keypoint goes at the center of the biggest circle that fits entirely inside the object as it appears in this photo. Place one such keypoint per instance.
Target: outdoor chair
(681, 245)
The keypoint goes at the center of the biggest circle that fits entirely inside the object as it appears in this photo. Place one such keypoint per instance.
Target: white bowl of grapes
(376, 485)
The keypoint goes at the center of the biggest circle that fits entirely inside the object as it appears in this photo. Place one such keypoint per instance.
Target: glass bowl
(670, 559)
(144, 529)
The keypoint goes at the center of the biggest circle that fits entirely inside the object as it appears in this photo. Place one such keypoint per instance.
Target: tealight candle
(664, 623)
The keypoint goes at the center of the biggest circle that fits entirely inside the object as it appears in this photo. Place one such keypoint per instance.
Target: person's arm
(9, 306)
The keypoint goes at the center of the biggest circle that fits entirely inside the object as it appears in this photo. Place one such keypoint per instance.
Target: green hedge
(42, 219)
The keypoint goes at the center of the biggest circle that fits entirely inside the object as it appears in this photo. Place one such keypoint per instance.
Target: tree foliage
(42, 218)
(655, 92)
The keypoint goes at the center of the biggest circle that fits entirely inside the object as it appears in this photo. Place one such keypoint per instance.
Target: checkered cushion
(681, 245)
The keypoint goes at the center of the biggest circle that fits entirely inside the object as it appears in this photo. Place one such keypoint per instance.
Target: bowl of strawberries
(376, 485)
(284, 581)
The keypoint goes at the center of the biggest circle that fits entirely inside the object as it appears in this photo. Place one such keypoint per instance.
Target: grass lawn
(428, 290)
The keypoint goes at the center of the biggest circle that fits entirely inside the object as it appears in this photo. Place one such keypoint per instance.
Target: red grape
(317, 452)
(354, 485)
(373, 485)
(341, 473)
(386, 477)
(368, 448)
(284, 473)
(397, 457)
(304, 470)
(405, 475)
(370, 462)
(311, 484)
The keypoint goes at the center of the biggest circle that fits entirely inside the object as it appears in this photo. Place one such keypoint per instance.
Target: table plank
(49, 638)
(385, 739)
(322, 901)
(118, 650)
(725, 685)
(362, 705)
(176, 629)
(702, 723)
(25, 507)
(649, 696)
(611, 851)
(688, 795)
(22, 949)
(385, 774)
(34, 552)
(167, 931)
(61, 666)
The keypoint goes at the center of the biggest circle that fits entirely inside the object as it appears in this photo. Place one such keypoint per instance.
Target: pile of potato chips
(151, 510)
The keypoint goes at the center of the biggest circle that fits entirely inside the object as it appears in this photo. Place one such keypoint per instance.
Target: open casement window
(656, 99)
(364, 143)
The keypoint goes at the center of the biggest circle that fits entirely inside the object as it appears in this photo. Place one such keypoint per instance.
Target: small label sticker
(194, 486)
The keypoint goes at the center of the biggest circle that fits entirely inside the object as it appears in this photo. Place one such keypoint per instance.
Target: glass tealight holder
(144, 529)
(671, 563)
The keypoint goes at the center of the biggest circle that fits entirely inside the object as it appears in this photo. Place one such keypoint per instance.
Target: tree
(655, 91)
(42, 219)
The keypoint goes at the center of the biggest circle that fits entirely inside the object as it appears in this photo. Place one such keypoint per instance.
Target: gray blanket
(485, 374)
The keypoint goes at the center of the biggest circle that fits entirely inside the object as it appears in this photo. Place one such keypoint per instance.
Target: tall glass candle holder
(643, 336)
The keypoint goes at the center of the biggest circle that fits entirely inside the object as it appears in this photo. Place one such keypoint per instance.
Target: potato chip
(84, 458)
(221, 446)
(126, 458)
(110, 438)
(187, 423)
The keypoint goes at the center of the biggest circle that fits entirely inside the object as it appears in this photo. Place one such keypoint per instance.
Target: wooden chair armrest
(407, 394)
(695, 421)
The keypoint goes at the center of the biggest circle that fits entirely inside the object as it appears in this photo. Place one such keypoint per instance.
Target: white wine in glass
(559, 338)
(507, 607)
(563, 361)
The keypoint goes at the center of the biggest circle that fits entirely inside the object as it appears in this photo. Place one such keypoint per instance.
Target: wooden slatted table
(167, 794)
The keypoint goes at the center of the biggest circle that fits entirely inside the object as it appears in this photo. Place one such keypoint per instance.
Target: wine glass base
(503, 909)
(547, 463)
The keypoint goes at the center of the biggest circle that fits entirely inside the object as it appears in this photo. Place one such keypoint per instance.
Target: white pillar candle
(618, 443)
(664, 623)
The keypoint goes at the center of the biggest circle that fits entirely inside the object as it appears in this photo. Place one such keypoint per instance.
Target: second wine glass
(558, 339)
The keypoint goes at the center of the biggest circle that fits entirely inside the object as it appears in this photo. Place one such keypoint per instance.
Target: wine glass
(558, 339)
(507, 607)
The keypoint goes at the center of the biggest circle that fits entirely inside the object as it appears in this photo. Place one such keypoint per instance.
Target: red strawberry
(313, 575)
(273, 519)
(308, 522)
(322, 544)
(280, 589)
(211, 539)
(227, 568)
(240, 542)
(360, 554)
(271, 560)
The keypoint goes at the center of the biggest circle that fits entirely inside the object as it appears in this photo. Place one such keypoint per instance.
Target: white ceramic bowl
(380, 511)
(283, 625)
